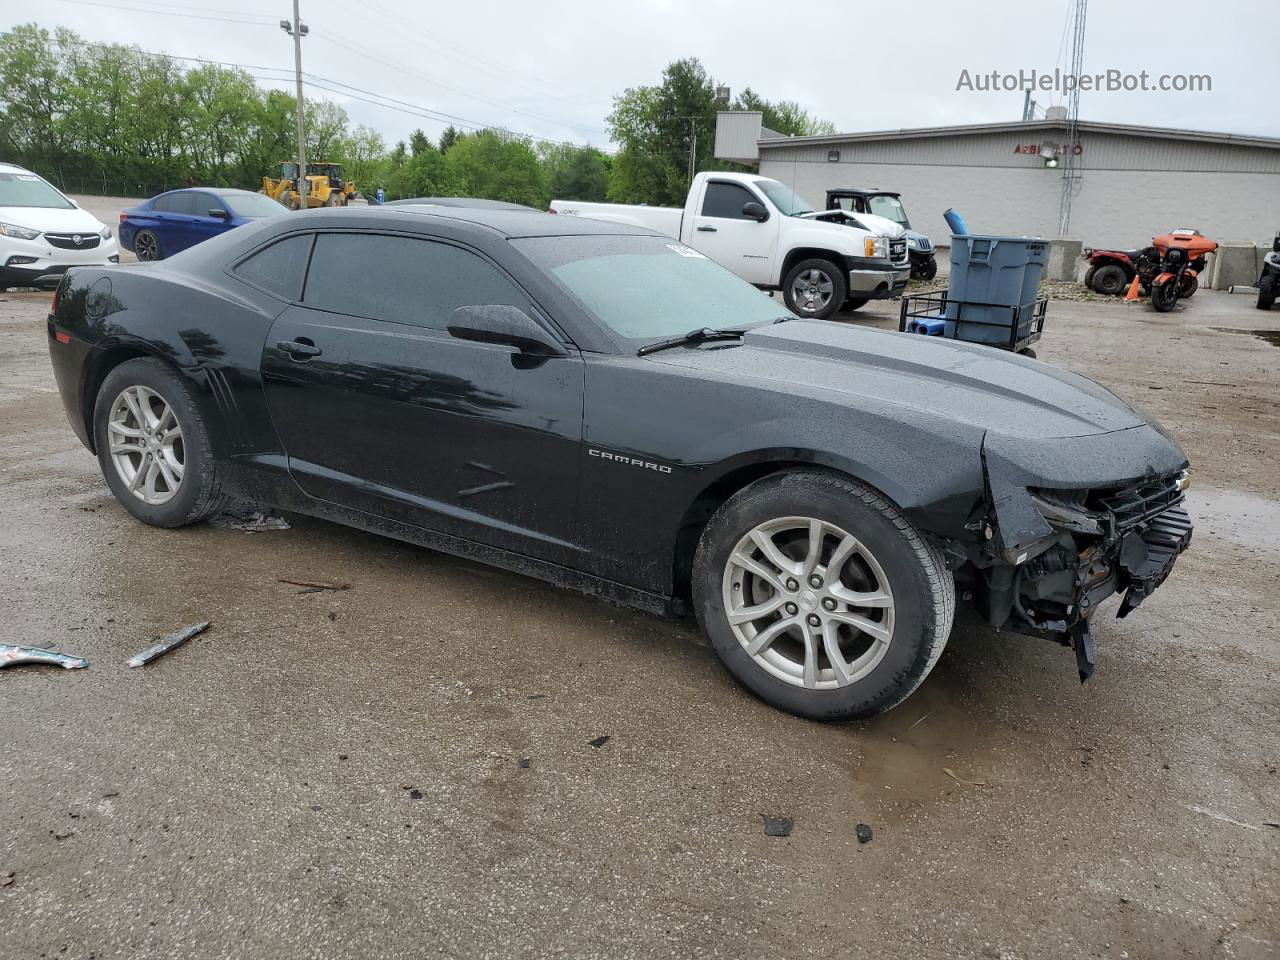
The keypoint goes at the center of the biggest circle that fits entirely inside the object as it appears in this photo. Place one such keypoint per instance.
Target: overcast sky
(550, 68)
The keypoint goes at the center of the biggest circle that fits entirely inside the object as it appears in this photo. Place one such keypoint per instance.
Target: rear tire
(1266, 292)
(926, 271)
(185, 485)
(146, 246)
(891, 581)
(1110, 279)
(814, 289)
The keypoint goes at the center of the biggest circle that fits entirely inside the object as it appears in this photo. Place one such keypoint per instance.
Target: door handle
(706, 229)
(299, 348)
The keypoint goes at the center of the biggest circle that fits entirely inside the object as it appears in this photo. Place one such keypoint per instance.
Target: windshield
(891, 207)
(648, 288)
(253, 205)
(788, 202)
(28, 190)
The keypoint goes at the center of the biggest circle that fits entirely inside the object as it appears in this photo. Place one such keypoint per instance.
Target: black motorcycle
(1269, 279)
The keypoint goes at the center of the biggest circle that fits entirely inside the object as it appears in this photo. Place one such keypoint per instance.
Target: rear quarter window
(278, 269)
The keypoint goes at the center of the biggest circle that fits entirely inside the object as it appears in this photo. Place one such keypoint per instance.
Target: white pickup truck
(757, 227)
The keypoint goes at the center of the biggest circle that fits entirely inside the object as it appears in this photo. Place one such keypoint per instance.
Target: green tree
(575, 173)
(448, 138)
(658, 128)
(497, 166)
(785, 116)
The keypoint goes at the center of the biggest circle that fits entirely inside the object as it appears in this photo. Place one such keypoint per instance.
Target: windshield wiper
(701, 335)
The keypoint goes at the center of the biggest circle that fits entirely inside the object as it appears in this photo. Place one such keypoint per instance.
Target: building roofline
(1018, 126)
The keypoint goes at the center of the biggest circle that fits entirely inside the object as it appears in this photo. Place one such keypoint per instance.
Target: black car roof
(476, 203)
(517, 223)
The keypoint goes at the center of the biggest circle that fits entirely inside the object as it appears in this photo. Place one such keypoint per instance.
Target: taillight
(123, 216)
(61, 337)
(53, 307)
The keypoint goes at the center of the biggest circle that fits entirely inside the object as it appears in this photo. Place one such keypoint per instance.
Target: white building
(1129, 183)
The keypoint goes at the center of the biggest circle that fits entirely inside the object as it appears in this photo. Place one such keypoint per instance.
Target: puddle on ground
(1242, 518)
(1270, 336)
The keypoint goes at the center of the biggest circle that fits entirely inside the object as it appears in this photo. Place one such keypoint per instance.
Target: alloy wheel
(146, 444)
(146, 247)
(811, 290)
(808, 602)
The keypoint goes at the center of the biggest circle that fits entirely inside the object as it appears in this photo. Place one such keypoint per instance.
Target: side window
(164, 202)
(279, 268)
(204, 202)
(182, 203)
(401, 279)
(726, 200)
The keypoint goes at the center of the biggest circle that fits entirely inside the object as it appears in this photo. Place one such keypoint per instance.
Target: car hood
(52, 220)
(869, 371)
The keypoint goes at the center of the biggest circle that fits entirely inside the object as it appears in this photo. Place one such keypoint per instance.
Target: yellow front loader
(324, 186)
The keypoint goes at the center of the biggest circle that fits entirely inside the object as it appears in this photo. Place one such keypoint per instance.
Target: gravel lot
(340, 774)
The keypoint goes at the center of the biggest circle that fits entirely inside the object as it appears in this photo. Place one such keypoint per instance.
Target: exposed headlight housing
(17, 232)
(876, 247)
(1064, 514)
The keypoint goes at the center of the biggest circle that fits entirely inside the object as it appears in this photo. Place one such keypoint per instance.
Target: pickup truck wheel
(814, 289)
(153, 446)
(820, 597)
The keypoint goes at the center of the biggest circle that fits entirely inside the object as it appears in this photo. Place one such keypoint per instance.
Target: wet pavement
(409, 768)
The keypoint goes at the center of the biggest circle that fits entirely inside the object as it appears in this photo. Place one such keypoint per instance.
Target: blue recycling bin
(989, 277)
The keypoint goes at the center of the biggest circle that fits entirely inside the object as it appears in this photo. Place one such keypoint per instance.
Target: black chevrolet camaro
(609, 410)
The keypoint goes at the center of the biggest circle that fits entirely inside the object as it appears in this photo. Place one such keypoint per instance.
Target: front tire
(1164, 296)
(153, 445)
(925, 271)
(1266, 292)
(814, 289)
(820, 597)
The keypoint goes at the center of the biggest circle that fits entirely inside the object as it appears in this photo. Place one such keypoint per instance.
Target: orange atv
(1182, 254)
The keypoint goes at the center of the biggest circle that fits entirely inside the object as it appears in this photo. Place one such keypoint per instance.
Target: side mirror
(219, 213)
(504, 324)
(753, 210)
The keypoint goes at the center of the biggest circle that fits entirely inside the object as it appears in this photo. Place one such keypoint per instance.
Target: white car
(43, 232)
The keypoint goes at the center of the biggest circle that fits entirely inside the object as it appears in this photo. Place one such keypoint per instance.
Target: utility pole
(297, 29)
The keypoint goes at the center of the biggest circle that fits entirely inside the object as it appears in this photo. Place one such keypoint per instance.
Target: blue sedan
(173, 221)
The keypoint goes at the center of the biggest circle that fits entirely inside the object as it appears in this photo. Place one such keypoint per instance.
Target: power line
(171, 13)
(318, 81)
(448, 86)
(448, 44)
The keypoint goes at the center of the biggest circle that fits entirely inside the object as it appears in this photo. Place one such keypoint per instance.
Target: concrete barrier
(1063, 256)
(1234, 265)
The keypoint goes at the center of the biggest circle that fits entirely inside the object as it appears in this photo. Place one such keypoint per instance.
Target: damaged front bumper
(1054, 553)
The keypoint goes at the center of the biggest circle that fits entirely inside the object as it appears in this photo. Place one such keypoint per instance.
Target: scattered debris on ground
(250, 518)
(12, 655)
(169, 643)
(1221, 817)
(778, 826)
(863, 833)
(316, 585)
(959, 779)
(524, 763)
(599, 742)
(6, 879)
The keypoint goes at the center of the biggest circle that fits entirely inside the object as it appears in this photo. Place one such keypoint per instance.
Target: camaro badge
(633, 461)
